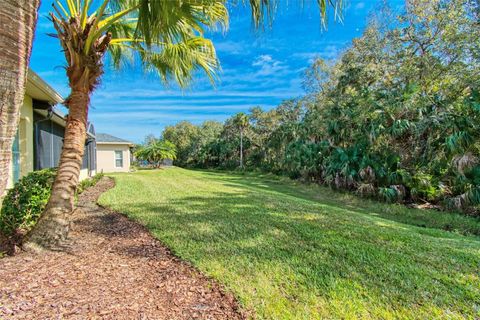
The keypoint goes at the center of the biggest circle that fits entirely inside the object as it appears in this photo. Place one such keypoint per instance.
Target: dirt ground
(113, 269)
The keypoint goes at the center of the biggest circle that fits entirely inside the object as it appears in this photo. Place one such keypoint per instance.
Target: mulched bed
(114, 269)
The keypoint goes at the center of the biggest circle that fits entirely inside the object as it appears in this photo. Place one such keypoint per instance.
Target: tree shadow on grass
(320, 247)
(447, 221)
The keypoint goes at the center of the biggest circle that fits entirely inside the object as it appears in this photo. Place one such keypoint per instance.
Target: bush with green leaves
(24, 203)
(156, 151)
(87, 183)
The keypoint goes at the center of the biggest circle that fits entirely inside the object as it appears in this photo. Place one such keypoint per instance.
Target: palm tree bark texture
(18, 19)
(83, 71)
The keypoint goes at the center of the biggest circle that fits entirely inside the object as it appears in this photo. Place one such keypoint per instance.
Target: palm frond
(173, 61)
(263, 11)
(166, 36)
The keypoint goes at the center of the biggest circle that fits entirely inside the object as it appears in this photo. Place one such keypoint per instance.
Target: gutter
(116, 143)
(44, 87)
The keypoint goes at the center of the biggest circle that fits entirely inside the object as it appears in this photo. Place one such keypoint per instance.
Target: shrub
(388, 194)
(24, 203)
(87, 183)
(425, 186)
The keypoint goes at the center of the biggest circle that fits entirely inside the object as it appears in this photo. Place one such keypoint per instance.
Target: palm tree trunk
(83, 72)
(241, 148)
(53, 227)
(17, 27)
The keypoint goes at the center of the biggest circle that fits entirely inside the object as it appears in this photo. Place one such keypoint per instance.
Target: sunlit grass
(298, 252)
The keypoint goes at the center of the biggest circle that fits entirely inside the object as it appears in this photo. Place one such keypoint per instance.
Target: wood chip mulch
(113, 269)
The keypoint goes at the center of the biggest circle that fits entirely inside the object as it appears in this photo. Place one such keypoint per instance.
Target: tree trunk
(241, 148)
(85, 67)
(17, 27)
(53, 227)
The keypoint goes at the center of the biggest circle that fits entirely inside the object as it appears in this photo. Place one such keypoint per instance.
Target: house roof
(45, 98)
(109, 139)
(38, 89)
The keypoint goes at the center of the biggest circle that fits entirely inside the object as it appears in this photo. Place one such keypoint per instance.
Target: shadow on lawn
(320, 246)
(447, 221)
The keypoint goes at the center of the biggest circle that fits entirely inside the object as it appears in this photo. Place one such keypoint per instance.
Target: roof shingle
(107, 138)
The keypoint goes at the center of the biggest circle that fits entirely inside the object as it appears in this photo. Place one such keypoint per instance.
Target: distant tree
(157, 151)
(241, 121)
(149, 139)
(183, 135)
(203, 145)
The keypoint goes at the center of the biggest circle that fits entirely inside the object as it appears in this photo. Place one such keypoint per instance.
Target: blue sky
(258, 69)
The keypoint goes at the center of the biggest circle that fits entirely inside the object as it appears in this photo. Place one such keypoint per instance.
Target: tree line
(396, 117)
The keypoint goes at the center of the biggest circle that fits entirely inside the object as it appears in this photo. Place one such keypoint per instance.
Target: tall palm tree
(241, 122)
(162, 36)
(17, 27)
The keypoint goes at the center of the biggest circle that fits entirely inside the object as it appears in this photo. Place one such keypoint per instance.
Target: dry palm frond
(366, 189)
(367, 174)
(464, 162)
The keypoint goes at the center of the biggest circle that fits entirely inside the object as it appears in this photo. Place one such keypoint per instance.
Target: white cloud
(330, 52)
(232, 47)
(360, 6)
(156, 107)
(128, 117)
(145, 93)
(267, 65)
(57, 72)
(262, 60)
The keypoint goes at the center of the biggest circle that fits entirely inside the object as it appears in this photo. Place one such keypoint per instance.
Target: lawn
(290, 251)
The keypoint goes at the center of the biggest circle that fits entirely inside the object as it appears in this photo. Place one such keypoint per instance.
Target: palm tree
(241, 122)
(17, 22)
(165, 36)
(156, 152)
(162, 36)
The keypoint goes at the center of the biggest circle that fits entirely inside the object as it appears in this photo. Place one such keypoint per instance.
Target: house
(113, 154)
(39, 139)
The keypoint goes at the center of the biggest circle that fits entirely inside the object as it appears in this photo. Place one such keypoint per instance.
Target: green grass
(304, 252)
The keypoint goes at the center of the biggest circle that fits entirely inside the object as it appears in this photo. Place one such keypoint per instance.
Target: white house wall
(106, 157)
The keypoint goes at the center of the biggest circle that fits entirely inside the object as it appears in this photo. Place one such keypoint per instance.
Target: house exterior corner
(113, 154)
(39, 138)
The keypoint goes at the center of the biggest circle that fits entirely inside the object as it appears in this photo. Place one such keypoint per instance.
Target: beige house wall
(84, 174)
(25, 135)
(36, 89)
(106, 157)
(26, 143)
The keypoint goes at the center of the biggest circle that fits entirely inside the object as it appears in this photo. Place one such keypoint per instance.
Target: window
(16, 159)
(118, 159)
